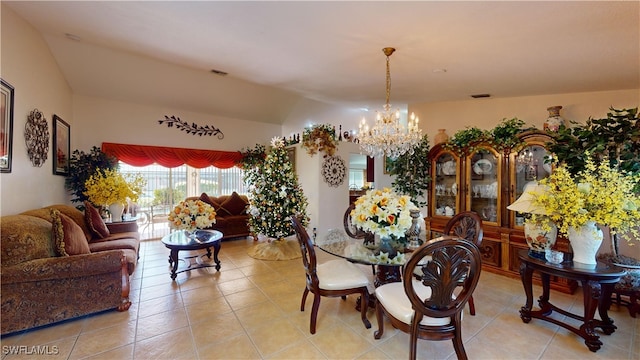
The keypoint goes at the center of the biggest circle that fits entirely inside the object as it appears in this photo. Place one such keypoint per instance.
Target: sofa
(232, 219)
(54, 267)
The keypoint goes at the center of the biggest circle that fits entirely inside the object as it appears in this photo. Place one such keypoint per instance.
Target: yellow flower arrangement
(383, 212)
(191, 215)
(598, 193)
(106, 187)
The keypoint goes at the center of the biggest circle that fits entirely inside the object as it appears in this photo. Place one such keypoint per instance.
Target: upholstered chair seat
(396, 302)
(438, 280)
(334, 278)
(340, 275)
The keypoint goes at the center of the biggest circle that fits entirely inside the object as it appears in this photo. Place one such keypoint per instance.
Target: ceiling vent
(479, 96)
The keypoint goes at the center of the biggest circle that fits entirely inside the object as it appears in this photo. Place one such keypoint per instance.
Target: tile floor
(250, 310)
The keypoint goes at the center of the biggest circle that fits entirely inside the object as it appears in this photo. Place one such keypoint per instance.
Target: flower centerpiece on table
(597, 196)
(108, 186)
(383, 213)
(190, 215)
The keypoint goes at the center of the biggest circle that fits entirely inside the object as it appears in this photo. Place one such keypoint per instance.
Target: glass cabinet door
(446, 185)
(528, 168)
(483, 179)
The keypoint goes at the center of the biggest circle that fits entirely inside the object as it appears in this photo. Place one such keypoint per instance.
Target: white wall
(327, 204)
(27, 64)
(487, 113)
(104, 120)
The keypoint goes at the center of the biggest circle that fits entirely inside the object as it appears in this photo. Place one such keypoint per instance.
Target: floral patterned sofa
(53, 267)
(232, 219)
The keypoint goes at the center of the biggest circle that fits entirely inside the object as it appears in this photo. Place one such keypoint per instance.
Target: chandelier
(388, 137)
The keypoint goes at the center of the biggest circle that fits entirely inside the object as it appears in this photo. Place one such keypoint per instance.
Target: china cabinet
(486, 181)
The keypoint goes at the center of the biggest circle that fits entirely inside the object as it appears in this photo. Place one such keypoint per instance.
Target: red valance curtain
(141, 155)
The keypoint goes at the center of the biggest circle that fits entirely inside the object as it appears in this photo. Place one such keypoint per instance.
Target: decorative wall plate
(334, 170)
(36, 136)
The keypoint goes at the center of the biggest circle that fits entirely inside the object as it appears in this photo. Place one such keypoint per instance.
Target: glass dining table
(388, 266)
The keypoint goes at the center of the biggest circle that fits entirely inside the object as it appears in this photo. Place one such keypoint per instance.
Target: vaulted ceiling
(276, 53)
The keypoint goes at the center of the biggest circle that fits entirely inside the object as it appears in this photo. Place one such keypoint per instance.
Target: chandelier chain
(388, 82)
(388, 137)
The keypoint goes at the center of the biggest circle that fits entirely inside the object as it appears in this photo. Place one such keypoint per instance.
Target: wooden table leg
(387, 274)
(591, 295)
(173, 258)
(543, 302)
(603, 308)
(216, 250)
(526, 275)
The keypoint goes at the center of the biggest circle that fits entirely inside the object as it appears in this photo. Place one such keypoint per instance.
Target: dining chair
(466, 225)
(356, 233)
(334, 278)
(438, 281)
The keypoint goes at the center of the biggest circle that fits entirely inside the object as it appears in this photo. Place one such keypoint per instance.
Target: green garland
(504, 138)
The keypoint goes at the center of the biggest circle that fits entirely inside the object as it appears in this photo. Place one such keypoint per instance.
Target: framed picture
(61, 146)
(388, 165)
(6, 126)
(291, 154)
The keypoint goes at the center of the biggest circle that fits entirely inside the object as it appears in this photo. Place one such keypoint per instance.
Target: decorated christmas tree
(275, 195)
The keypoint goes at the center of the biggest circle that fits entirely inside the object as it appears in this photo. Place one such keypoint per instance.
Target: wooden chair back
(352, 231)
(308, 254)
(450, 268)
(466, 225)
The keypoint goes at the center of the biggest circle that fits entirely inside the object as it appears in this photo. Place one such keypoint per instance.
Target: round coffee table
(205, 239)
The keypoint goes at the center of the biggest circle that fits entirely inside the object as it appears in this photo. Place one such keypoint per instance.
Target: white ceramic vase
(585, 242)
(116, 210)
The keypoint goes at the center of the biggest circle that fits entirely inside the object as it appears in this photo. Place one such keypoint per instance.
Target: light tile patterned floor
(250, 310)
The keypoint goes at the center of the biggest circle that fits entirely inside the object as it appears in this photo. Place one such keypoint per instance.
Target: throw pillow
(234, 204)
(204, 197)
(69, 237)
(94, 221)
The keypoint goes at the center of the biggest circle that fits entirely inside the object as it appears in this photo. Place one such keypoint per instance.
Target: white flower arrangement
(191, 215)
(383, 212)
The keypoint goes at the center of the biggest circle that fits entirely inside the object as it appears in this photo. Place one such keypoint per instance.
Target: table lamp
(540, 236)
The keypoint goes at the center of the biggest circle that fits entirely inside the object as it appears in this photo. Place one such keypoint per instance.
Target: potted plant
(411, 172)
(111, 188)
(597, 196)
(81, 166)
(614, 139)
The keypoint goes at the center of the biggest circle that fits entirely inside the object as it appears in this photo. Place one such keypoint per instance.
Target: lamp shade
(526, 202)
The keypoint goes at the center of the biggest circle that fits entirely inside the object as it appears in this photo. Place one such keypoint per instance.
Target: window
(168, 186)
